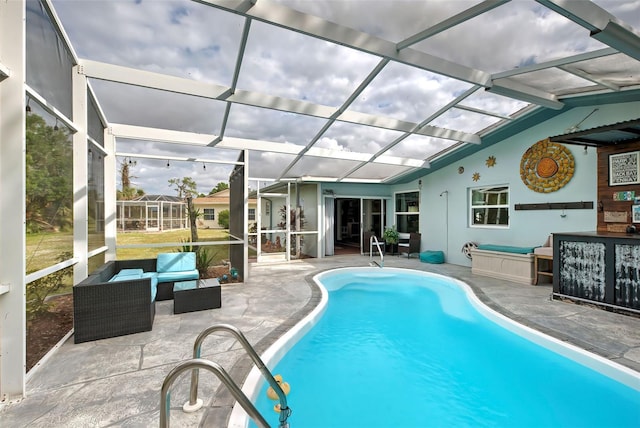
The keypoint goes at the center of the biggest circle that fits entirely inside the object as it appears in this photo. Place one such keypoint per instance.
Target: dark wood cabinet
(602, 268)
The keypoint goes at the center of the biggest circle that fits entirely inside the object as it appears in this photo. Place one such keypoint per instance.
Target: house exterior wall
(362, 190)
(357, 190)
(444, 220)
(350, 190)
(218, 207)
(210, 224)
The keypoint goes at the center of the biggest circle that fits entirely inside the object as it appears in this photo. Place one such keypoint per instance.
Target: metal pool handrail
(198, 363)
(371, 242)
(195, 403)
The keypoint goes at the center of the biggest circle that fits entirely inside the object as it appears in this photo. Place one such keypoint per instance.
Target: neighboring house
(211, 206)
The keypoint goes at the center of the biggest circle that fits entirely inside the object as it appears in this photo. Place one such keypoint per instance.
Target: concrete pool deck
(116, 382)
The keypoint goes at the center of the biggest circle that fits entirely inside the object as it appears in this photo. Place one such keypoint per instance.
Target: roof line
(527, 120)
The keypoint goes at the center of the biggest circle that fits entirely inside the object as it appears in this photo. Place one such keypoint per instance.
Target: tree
(219, 187)
(49, 176)
(128, 191)
(131, 193)
(223, 219)
(186, 188)
(125, 173)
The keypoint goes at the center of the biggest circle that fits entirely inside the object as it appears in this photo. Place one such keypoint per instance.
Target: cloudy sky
(191, 40)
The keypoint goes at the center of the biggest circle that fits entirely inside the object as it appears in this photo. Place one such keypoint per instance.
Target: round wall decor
(467, 247)
(546, 167)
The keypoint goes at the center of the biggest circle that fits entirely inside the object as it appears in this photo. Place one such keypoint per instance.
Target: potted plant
(391, 237)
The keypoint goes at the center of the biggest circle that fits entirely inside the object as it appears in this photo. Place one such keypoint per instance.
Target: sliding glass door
(372, 221)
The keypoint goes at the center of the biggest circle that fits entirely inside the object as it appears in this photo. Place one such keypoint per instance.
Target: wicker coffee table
(196, 295)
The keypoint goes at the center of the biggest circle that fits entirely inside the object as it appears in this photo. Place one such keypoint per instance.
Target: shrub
(40, 289)
(391, 235)
(204, 256)
(223, 219)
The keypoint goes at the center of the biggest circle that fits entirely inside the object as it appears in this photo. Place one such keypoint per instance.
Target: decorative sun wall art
(476, 176)
(546, 167)
(491, 161)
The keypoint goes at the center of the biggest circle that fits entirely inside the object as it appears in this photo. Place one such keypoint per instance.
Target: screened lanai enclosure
(287, 222)
(152, 213)
(265, 94)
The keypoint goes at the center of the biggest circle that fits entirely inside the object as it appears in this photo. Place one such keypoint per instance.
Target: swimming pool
(409, 349)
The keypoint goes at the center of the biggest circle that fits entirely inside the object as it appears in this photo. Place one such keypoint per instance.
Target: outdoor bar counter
(600, 268)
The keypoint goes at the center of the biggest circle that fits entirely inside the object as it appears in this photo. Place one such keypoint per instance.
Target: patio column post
(245, 237)
(80, 176)
(12, 200)
(110, 208)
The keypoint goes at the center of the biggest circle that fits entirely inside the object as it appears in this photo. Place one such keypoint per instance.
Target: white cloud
(195, 41)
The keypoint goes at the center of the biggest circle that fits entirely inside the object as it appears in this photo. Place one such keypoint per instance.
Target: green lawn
(45, 249)
(220, 252)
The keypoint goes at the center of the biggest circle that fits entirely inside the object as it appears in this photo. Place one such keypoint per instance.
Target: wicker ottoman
(196, 295)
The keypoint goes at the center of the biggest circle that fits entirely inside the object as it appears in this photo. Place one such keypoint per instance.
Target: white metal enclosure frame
(361, 163)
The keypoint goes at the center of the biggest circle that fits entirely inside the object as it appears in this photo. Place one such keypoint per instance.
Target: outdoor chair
(409, 243)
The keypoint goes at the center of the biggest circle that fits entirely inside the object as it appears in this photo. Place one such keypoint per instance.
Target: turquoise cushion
(506, 249)
(178, 276)
(130, 272)
(120, 277)
(176, 262)
(154, 283)
(152, 275)
(435, 257)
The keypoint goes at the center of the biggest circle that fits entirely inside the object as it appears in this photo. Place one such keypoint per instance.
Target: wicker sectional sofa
(119, 297)
(104, 309)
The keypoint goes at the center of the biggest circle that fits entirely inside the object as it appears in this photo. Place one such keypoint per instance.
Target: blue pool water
(401, 349)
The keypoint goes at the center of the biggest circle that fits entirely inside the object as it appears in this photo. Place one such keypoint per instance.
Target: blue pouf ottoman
(435, 257)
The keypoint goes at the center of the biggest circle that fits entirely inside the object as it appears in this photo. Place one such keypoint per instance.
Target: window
(252, 214)
(209, 214)
(407, 212)
(490, 206)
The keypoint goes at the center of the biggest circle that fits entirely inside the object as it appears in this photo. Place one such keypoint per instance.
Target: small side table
(196, 295)
(538, 268)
